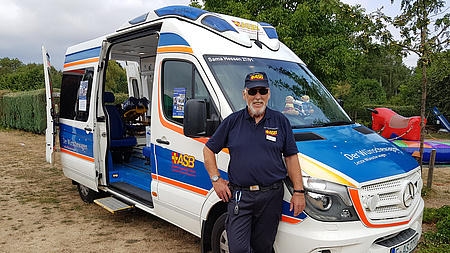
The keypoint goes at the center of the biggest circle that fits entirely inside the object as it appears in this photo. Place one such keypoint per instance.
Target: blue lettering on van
(360, 157)
(76, 140)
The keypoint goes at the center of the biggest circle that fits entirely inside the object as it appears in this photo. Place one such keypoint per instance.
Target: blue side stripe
(172, 39)
(82, 55)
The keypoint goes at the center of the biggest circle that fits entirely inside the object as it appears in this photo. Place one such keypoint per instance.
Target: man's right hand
(222, 190)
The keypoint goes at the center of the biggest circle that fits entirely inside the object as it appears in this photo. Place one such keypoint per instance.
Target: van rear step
(112, 204)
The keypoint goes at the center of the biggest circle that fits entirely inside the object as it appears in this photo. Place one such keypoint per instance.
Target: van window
(181, 82)
(75, 94)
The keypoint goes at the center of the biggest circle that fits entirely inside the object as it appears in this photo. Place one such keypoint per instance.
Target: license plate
(408, 246)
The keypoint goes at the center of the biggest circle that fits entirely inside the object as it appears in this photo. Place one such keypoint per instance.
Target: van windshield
(295, 91)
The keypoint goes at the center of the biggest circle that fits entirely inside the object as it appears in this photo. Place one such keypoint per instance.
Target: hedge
(24, 110)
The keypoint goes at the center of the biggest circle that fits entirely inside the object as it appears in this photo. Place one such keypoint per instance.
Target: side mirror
(195, 118)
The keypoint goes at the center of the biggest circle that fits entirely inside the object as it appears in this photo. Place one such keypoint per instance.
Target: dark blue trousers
(254, 228)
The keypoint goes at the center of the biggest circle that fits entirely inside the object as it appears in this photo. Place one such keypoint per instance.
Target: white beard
(253, 111)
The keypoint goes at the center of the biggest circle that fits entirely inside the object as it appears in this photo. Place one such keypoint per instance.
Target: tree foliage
(16, 76)
(116, 78)
(329, 36)
(416, 37)
(439, 82)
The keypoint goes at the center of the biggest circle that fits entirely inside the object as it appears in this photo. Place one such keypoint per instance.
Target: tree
(16, 76)
(416, 37)
(116, 78)
(439, 81)
(8, 66)
(329, 36)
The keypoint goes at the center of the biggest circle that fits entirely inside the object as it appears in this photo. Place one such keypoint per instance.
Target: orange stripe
(175, 49)
(80, 62)
(183, 185)
(290, 220)
(357, 203)
(87, 158)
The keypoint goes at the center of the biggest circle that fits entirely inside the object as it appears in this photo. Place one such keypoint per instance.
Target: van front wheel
(219, 239)
(86, 194)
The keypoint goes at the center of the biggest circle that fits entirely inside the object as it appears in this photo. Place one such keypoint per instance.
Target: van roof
(247, 37)
(239, 30)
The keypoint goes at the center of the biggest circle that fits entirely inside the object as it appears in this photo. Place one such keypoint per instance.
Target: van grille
(390, 204)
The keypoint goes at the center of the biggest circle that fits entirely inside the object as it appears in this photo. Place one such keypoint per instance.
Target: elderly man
(257, 138)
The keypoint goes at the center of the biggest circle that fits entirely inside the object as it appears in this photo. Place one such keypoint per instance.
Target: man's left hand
(297, 203)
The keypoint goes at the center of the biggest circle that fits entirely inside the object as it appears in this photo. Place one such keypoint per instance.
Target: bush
(437, 241)
(24, 110)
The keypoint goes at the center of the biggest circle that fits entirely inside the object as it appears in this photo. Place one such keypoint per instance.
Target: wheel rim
(224, 242)
(84, 190)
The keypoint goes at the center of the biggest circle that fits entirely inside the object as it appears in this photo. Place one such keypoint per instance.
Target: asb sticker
(246, 25)
(184, 160)
(271, 134)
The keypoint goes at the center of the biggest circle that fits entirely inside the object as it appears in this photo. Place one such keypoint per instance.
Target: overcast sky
(26, 25)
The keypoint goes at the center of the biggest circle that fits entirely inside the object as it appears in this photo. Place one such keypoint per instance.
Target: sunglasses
(253, 92)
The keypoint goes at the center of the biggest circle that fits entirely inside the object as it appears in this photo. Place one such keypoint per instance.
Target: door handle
(88, 129)
(162, 141)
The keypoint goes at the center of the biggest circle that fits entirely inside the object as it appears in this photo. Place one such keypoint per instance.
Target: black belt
(274, 186)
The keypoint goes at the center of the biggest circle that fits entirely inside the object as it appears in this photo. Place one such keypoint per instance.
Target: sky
(26, 25)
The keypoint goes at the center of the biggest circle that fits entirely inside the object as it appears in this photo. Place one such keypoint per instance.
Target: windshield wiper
(339, 123)
(334, 123)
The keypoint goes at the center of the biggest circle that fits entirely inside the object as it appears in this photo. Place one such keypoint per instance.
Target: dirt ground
(41, 211)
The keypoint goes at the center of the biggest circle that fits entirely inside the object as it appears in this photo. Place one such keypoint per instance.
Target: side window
(181, 82)
(75, 94)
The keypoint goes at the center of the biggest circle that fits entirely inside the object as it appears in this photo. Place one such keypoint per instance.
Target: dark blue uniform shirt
(255, 149)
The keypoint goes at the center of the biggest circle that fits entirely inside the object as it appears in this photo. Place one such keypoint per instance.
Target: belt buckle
(254, 188)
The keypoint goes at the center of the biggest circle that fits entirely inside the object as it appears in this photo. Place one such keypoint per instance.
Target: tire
(86, 194)
(219, 241)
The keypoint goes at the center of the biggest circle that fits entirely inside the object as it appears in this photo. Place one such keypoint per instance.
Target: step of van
(112, 204)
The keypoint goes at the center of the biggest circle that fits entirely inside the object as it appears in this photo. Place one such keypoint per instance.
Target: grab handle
(162, 141)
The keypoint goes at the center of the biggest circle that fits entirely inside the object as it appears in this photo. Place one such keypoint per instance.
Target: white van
(185, 70)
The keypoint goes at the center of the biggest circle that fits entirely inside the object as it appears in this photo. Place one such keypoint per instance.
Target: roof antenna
(257, 42)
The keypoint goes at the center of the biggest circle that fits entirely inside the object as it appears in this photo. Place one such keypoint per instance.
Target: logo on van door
(184, 160)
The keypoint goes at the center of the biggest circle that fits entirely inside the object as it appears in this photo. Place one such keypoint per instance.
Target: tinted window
(75, 94)
(181, 82)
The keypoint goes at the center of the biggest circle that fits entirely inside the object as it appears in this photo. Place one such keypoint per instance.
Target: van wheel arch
(87, 194)
(207, 227)
(219, 241)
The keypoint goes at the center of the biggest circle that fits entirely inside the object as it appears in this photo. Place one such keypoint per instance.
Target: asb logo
(257, 77)
(271, 132)
(184, 160)
(246, 25)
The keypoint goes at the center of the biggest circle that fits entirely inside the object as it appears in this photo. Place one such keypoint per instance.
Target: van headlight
(326, 201)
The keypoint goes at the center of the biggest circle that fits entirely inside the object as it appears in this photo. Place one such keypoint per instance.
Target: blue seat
(116, 125)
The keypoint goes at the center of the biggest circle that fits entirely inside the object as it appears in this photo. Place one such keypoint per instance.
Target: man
(257, 138)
